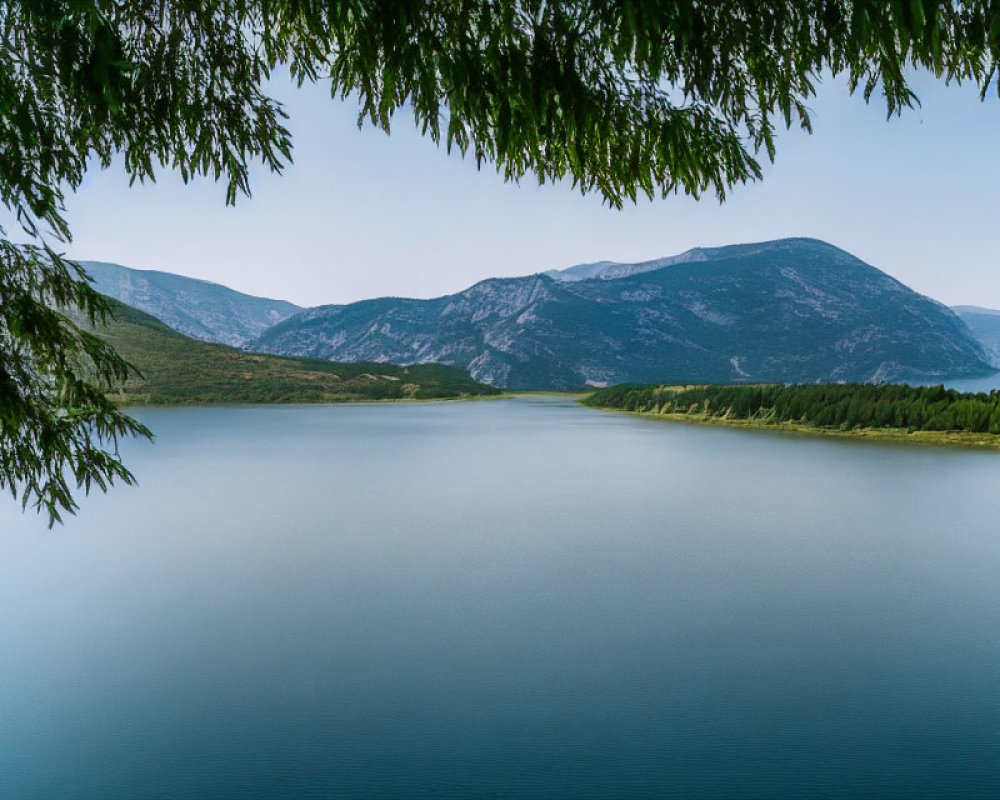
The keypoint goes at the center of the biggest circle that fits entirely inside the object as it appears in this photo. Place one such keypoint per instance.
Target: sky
(360, 214)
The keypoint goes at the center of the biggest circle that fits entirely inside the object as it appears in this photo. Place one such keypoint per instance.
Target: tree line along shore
(898, 411)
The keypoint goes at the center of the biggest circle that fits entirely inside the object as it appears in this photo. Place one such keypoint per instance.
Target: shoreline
(544, 393)
(961, 439)
(128, 403)
(135, 403)
(975, 441)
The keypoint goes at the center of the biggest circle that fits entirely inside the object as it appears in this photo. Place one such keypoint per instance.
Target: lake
(505, 599)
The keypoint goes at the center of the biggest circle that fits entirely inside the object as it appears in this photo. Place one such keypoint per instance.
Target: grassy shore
(983, 441)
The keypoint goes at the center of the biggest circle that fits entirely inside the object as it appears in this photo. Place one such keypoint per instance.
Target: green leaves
(58, 430)
(581, 90)
(587, 91)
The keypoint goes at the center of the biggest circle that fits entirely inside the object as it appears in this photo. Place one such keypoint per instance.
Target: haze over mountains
(200, 309)
(792, 310)
(985, 326)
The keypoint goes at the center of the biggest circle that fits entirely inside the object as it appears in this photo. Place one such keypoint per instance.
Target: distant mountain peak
(984, 323)
(613, 270)
(198, 308)
(988, 312)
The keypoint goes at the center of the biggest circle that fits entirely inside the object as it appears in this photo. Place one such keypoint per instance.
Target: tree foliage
(625, 98)
(838, 406)
(56, 423)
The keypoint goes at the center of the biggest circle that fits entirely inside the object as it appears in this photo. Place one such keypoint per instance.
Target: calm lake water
(515, 598)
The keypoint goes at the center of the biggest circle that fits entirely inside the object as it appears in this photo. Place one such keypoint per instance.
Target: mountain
(985, 326)
(178, 369)
(611, 270)
(792, 310)
(200, 309)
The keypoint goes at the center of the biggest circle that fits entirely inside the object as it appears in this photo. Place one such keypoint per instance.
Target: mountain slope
(201, 309)
(178, 369)
(985, 326)
(612, 270)
(793, 310)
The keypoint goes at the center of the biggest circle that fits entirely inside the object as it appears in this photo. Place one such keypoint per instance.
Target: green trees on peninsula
(832, 406)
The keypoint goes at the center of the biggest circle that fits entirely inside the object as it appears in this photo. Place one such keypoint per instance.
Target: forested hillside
(177, 370)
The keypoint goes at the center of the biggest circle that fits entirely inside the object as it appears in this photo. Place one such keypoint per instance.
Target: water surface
(514, 598)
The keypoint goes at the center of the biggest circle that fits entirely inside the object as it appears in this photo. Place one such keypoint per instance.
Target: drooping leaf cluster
(839, 406)
(82, 84)
(633, 97)
(627, 98)
(58, 430)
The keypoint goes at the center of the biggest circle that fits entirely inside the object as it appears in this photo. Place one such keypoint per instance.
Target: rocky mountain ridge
(791, 310)
(200, 309)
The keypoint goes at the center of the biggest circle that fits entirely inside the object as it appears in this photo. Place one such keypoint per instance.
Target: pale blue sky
(360, 214)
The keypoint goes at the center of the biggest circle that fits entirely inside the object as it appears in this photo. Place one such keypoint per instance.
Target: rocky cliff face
(793, 310)
(199, 309)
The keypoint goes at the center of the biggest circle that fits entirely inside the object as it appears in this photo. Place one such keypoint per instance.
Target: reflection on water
(505, 599)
